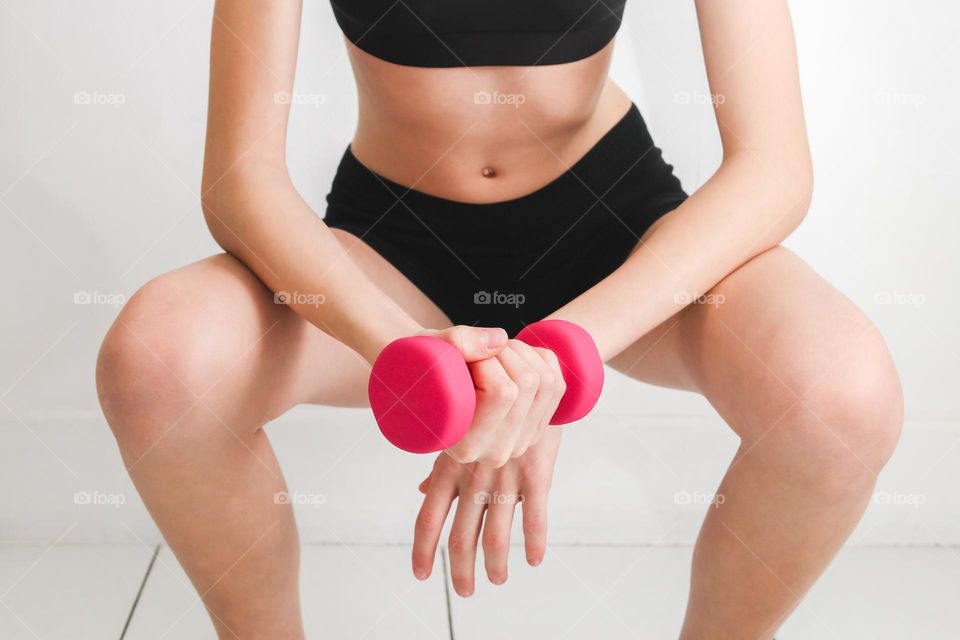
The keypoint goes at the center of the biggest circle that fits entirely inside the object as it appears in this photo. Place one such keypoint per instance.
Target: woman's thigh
(770, 336)
(213, 329)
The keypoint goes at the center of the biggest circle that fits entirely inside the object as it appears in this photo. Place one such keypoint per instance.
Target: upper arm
(751, 63)
(253, 56)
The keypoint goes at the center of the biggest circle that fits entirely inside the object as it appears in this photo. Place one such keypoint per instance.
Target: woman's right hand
(518, 390)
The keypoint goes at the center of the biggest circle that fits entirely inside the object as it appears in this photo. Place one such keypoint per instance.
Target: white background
(99, 198)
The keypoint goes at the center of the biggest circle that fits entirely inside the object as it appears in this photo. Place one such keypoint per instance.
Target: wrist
(580, 316)
(378, 336)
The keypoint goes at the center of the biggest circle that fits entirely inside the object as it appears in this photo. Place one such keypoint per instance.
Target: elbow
(232, 198)
(790, 202)
(784, 186)
(794, 188)
(796, 200)
(224, 199)
(214, 214)
(803, 177)
(799, 191)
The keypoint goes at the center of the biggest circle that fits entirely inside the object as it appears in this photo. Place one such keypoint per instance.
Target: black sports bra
(479, 33)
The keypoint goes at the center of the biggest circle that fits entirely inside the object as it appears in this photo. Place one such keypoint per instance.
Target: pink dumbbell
(423, 397)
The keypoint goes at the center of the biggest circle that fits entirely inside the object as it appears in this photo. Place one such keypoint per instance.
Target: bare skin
(527, 143)
(201, 358)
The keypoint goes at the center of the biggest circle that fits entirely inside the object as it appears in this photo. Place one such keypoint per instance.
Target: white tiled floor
(81, 592)
(68, 591)
(347, 592)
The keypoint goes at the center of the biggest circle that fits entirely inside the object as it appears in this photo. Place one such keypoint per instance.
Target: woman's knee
(859, 402)
(842, 424)
(171, 343)
(801, 368)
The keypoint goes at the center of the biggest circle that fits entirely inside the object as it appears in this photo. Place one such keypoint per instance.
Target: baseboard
(621, 479)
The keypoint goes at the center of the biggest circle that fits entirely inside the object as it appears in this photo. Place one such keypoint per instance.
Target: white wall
(99, 198)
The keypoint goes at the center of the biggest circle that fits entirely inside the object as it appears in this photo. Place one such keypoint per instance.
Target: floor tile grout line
(446, 591)
(143, 585)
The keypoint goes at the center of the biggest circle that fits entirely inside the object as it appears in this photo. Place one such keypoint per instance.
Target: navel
(488, 172)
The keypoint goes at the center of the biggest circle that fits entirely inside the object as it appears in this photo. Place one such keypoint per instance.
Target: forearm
(259, 218)
(742, 211)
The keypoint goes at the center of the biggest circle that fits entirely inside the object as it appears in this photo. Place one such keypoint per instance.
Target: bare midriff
(481, 134)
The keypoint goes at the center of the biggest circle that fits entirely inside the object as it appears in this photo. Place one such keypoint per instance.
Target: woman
(497, 176)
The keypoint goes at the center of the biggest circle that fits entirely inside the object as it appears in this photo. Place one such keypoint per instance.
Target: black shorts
(507, 264)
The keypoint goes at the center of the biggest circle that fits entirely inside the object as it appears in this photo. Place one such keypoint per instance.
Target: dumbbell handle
(423, 397)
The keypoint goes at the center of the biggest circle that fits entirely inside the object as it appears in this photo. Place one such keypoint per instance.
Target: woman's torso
(482, 133)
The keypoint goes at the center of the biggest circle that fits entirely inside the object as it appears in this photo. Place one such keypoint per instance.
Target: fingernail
(534, 562)
(420, 574)
(498, 580)
(495, 338)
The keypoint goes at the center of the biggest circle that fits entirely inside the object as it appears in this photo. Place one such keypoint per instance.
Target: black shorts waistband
(366, 197)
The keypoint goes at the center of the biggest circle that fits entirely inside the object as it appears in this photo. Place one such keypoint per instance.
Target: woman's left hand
(479, 488)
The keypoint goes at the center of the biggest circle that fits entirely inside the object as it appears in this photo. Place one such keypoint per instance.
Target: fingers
(440, 492)
(475, 343)
(518, 419)
(496, 529)
(547, 367)
(518, 391)
(525, 480)
(496, 394)
(466, 531)
(535, 525)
